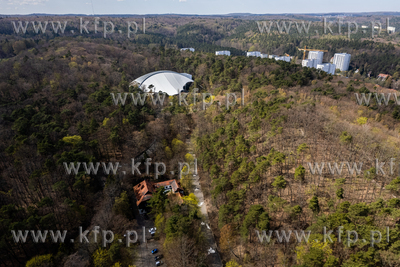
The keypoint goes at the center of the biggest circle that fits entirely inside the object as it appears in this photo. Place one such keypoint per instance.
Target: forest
(370, 56)
(56, 107)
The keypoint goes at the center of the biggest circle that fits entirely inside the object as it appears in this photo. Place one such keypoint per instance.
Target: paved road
(144, 257)
(213, 258)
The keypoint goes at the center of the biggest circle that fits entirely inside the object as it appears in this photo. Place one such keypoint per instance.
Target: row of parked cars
(158, 257)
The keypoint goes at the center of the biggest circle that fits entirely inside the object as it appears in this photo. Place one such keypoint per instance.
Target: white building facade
(222, 53)
(309, 63)
(264, 55)
(327, 67)
(342, 61)
(317, 55)
(188, 48)
(391, 29)
(284, 58)
(254, 54)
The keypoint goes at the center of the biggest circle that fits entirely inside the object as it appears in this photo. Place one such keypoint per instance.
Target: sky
(200, 7)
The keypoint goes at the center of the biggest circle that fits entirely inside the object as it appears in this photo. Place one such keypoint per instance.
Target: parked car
(158, 263)
(159, 257)
(154, 251)
(152, 231)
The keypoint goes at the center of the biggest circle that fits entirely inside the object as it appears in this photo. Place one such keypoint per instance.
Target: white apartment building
(309, 63)
(327, 67)
(254, 54)
(332, 68)
(272, 56)
(342, 61)
(317, 55)
(222, 53)
(264, 55)
(188, 48)
(391, 29)
(284, 58)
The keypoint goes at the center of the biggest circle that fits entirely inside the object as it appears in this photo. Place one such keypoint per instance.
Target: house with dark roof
(145, 189)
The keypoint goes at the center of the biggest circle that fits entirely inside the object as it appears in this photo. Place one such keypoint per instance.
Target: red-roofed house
(383, 77)
(145, 189)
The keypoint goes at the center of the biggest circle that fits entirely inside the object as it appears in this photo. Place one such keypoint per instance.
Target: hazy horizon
(187, 14)
(186, 7)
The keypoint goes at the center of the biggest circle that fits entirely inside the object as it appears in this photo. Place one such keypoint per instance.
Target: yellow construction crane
(287, 55)
(305, 49)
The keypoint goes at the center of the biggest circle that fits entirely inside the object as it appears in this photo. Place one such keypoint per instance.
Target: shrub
(72, 139)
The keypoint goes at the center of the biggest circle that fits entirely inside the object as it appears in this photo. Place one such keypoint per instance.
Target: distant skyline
(193, 7)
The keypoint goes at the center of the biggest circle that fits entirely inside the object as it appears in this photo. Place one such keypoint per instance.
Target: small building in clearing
(383, 77)
(222, 53)
(191, 49)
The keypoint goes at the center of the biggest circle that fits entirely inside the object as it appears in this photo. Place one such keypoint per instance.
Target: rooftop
(143, 190)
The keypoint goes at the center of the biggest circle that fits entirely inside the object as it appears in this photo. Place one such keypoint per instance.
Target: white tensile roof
(166, 81)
